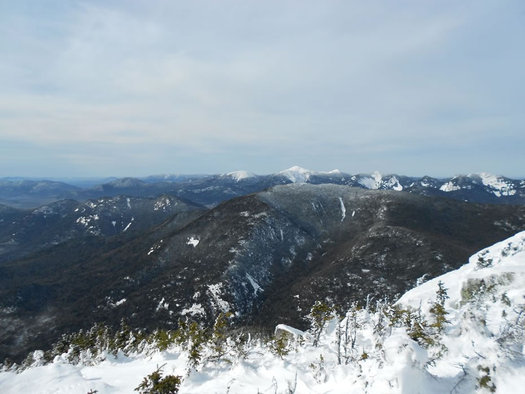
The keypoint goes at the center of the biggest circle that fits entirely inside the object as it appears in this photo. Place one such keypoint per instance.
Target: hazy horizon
(135, 88)
(111, 177)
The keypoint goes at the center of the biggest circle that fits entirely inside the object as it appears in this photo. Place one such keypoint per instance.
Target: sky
(134, 88)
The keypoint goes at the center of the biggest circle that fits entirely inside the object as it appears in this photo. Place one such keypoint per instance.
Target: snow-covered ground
(480, 349)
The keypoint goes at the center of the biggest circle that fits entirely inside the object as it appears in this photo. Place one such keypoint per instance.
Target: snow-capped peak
(296, 174)
(498, 184)
(332, 172)
(372, 181)
(238, 175)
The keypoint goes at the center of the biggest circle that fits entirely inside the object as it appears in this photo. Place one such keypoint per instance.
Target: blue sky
(130, 88)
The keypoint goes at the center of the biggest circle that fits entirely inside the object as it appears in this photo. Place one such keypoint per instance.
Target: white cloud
(211, 77)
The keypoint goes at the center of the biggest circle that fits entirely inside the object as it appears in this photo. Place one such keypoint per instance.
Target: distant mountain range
(210, 190)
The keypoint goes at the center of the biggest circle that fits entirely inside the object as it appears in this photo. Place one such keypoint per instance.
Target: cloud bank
(141, 87)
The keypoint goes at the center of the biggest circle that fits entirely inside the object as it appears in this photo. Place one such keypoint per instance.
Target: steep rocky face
(266, 257)
(378, 244)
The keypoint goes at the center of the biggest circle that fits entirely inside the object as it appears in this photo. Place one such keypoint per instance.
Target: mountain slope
(25, 232)
(267, 257)
(374, 350)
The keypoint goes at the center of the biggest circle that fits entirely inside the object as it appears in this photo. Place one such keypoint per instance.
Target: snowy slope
(298, 174)
(368, 351)
(240, 175)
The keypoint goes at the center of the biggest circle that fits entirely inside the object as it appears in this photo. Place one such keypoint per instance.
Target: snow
(378, 356)
(393, 183)
(505, 257)
(255, 285)
(215, 291)
(291, 330)
(155, 247)
(129, 225)
(372, 181)
(120, 302)
(162, 203)
(240, 175)
(192, 241)
(498, 185)
(297, 174)
(449, 187)
(195, 309)
(343, 209)
(162, 305)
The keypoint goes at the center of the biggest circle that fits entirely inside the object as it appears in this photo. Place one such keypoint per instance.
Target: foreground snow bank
(379, 349)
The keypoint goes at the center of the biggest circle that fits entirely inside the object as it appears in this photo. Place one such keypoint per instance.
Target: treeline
(351, 338)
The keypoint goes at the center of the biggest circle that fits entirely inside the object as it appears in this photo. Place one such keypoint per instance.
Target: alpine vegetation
(462, 332)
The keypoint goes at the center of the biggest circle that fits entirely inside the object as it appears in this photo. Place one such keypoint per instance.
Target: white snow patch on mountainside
(215, 292)
(449, 187)
(129, 225)
(393, 183)
(297, 174)
(254, 284)
(195, 309)
(498, 184)
(162, 203)
(239, 175)
(343, 209)
(372, 181)
(192, 241)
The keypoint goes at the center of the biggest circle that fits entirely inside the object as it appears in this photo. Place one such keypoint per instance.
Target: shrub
(154, 383)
